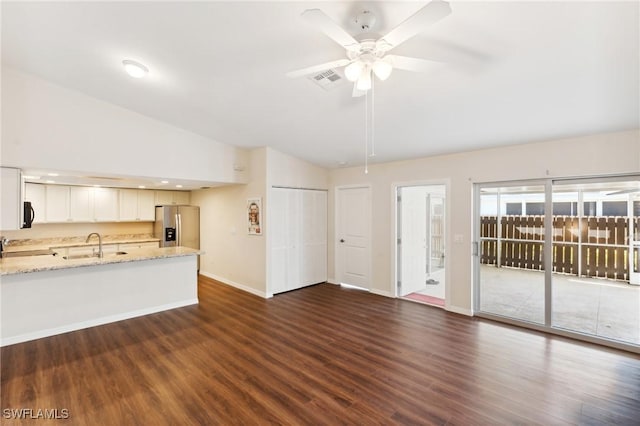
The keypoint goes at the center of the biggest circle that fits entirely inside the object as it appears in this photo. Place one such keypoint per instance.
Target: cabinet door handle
(341, 240)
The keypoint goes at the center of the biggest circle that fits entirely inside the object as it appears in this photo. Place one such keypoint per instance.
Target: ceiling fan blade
(415, 24)
(330, 28)
(318, 68)
(357, 92)
(411, 64)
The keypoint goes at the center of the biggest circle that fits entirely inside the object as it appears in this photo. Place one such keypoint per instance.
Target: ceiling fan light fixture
(364, 82)
(353, 71)
(382, 69)
(135, 69)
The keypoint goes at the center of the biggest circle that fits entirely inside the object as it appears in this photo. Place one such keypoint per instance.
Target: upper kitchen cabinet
(105, 205)
(11, 199)
(172, 197)
(93, 204)
(36, 193)
(60, 203)
(80, 204)
(57, 203)
(137, 205)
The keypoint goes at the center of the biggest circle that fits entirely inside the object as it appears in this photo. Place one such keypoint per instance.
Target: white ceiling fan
(367, 54)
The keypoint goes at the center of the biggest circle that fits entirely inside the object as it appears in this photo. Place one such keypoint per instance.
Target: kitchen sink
(89, 256)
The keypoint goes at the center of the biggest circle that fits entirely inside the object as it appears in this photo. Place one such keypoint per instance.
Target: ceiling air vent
(327, 79)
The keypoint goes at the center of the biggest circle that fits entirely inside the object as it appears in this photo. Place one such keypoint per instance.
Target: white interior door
(413, 239)
(353, 236)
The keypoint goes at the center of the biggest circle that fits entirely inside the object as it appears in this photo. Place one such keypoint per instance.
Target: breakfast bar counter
(28, 264)
(48, 295)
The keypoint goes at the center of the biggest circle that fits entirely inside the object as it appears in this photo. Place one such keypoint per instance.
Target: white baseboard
(235, 284)
(458, 310)
(94, 322)
(332, 281)
(382, 293)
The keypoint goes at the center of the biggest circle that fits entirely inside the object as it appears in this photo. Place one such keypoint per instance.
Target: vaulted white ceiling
(515, 72)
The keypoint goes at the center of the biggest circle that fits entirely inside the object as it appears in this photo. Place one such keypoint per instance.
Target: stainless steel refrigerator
(178, 226)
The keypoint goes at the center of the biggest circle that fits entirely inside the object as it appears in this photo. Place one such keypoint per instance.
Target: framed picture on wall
(254, 215)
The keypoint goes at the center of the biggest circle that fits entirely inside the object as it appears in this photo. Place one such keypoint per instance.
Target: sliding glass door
(594, 285)
(562, 256)
(511, 269)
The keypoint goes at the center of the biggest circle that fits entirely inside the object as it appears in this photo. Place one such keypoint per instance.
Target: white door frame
(394, 234)
(634, 277)
(336, 228)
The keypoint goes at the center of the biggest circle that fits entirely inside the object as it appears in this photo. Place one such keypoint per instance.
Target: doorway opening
(421, 243)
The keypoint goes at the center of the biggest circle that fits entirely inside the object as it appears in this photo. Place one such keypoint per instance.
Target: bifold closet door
(313, 268)
(299, 238)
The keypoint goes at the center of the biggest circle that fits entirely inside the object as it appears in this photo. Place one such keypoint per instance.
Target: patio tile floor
(600, 307)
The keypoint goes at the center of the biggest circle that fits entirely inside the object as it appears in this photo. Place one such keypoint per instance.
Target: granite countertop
(27, 264)
(65, 242)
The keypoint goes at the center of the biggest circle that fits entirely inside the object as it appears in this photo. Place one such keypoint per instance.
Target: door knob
(341, 240)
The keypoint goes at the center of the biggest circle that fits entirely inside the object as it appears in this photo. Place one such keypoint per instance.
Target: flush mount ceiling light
(135, 69)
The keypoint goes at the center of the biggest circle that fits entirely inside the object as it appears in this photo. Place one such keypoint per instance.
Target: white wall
(613, 153)
(285, 170)
(50, 127)
(231, 255)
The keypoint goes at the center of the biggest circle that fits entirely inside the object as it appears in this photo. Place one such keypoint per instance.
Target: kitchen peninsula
(48, 295)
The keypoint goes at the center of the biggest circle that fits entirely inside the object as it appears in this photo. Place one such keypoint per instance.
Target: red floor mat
(426, 299)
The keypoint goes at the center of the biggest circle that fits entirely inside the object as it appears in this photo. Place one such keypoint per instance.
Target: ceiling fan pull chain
(373, 117)
(366, 133)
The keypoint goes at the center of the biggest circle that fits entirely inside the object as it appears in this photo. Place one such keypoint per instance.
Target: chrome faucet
(100, 254)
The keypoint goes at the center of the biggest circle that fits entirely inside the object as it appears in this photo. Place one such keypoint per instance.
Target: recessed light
(164, 181)
(141, 186)
(30, 177)
(52, 174)
(178, 186)
(51, 181)
(135, 69)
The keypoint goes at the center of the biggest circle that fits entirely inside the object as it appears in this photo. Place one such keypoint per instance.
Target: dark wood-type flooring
(320, 355)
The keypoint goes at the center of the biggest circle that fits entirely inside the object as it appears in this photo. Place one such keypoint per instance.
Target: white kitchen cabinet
(11, 199)
(172, 197)
(36, 194)
(137, 205)
(56, 203)
(146, 205)
(298, 229)
(164, 197)
(105, 205)
(81, 204)
(128, 211)
(181, 197)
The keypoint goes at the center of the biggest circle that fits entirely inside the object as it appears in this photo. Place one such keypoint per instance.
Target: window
(535, 209)
(565, 208)
(614, 208)
(514, 208)
(590, 208)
